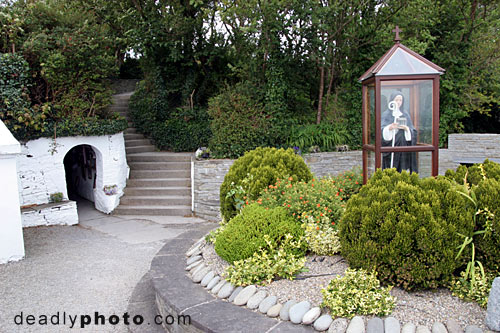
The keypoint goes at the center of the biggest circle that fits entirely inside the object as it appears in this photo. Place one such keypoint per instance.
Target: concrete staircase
(160, 182)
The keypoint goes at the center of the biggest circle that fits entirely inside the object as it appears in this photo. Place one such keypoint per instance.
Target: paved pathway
(82, 269)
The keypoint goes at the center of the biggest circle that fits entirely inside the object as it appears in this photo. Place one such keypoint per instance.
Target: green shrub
(357, 293)
(327, 136)
(348, 182)
(484, 182)
(475, 173)
(15, 103)
(323, 241)
(319, 199)
(177, 129)
(265, 165)
(406, 228)
(488, 245)
(480, 291)
(268, 263)
(244, 235)
(185, 130)
(239, 121)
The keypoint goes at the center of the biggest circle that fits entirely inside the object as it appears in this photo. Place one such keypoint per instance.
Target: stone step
(130, 130)
(165, 201)
(160, 166)
(165, 182)
(153, 210)
(136, 142)
(157, 191)
(133, 136)
(159, 174)
(160, 157)
(120, 107)
(140, 149)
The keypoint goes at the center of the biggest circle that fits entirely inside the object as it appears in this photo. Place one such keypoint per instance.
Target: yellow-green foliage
(321, 240)
(357, 293)
(488, 245)
(475, 173)
(244, 234)
(406, 228)
(479, 292)
(270, 262)
(265, 165)
(212, 235)
(484, 181)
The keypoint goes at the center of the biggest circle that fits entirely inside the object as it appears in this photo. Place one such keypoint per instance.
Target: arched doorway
(81, 172)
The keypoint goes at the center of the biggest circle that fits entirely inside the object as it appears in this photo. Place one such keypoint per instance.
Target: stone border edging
(176, 295)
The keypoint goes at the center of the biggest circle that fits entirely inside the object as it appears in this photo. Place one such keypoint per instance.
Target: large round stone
(193, 259)
(493, 309)
(200, 275)
(409, 328)
(213, 282)
(267, 303)
(285, 310)
(339, 325)
(357, 325)
(323, 323)
(245, 295)
(298, 311)
(194, 265)
(235, 293)
(453, 326)
(194, 250)
(274, 311)
(255, 300)
(392, 325)
(207, 278)
(438, 327)
(225, 291)
(422, 329)
(311, 315)
(375, 325)
(218, 287)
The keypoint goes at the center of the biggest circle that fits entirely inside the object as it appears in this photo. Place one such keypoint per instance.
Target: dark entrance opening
(80, 167)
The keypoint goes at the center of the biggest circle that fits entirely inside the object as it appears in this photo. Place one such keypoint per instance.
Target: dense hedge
(258, 169)
(28, 122)
(244, 234)
(406, 228)
(180, 129)
(238, 121)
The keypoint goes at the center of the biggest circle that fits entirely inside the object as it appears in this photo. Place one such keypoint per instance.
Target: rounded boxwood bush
(264, 166)
(406, 228)
(244, 234)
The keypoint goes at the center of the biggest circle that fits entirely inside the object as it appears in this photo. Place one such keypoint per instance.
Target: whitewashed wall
(11, 233)
(41, 169)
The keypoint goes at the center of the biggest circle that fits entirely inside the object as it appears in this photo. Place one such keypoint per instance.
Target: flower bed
(399, 229)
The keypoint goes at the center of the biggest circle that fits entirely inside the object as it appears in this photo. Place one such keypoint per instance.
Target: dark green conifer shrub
(264, 166)
(406, 228)
(244, 234)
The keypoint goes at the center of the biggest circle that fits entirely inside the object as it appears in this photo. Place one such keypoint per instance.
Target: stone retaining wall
(208, 175)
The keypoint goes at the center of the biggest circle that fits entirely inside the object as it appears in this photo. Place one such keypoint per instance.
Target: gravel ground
(74, 270)
(420, 308)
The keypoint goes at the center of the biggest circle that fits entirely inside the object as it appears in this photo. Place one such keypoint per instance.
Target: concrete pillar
(11, 232)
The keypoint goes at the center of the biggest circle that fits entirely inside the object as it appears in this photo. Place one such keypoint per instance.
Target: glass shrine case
(401, 113)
